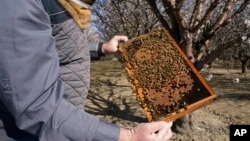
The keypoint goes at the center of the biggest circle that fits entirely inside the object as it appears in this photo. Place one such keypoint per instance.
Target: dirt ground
(110, 98)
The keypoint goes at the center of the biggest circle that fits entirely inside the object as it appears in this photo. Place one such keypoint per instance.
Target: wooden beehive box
(165, 82)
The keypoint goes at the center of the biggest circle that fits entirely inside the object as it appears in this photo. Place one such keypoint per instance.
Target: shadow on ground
(103, 107)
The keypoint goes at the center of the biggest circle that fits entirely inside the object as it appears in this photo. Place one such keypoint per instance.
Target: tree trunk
(184, 124)
(244, 65)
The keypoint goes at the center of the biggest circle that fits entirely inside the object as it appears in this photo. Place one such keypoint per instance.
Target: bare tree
(127, 17)
(243, 54)
(239, 51)
(194, 23)
(202, 28)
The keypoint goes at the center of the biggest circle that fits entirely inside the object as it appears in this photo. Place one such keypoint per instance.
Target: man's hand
(154, 131)
(111, 47)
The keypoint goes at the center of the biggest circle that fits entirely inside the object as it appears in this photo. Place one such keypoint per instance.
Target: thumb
(165, 132)
(156, 126)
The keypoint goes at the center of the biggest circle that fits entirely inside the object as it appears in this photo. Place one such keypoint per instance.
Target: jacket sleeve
(95, 50)
(29, 84)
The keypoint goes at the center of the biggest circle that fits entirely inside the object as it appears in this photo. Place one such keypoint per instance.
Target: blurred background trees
(123, 17)
(203, 29)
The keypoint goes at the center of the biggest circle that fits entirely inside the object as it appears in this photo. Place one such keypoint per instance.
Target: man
(32, 106)
(73, 49)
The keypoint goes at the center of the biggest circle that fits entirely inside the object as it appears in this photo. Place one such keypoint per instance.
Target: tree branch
(170, 11)
(158, 14)
(222, 18)
(215, 53)
(178, 4)
(242, 7)
(196, 13)
(206, 17)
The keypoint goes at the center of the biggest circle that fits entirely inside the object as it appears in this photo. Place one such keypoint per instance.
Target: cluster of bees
(160, 76)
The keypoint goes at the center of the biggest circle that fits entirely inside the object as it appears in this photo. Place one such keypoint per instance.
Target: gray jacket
(74, 58)
(30, 87)
(74, 52)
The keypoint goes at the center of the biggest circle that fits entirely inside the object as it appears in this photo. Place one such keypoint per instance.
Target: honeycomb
(164, 81)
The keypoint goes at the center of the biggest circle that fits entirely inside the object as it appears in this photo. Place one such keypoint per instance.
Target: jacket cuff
(106, 131)
(94, 47)
(99, 50)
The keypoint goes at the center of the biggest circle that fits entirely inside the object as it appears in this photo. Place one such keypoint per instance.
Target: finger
(164, 134)
(159, 135)
(168, 135)
(121, 38)
(168, 124)
(155, 126)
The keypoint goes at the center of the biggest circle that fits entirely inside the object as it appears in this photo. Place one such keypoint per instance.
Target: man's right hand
(154, 131)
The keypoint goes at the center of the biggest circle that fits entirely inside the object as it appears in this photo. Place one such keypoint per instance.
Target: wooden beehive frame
(165, 81)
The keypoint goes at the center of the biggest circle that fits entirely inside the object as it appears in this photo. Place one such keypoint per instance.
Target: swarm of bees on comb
(164, 81)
